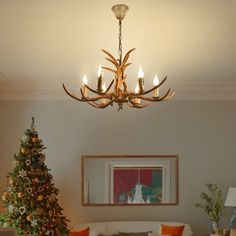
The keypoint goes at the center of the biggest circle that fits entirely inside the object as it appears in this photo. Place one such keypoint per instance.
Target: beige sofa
(130, 226)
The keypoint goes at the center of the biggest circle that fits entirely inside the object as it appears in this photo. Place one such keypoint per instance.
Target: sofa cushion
(132, 226)
(173, 230)
(84, 232)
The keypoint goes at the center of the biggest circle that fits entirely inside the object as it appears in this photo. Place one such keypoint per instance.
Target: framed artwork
(129, 180)
(137, 185)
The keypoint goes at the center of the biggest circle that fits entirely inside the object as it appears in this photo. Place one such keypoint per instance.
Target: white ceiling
(43, 43)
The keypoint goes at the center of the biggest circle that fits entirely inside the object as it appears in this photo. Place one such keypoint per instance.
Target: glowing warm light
(100, 71)
(85, 79)
(140, 72)
(155, 81)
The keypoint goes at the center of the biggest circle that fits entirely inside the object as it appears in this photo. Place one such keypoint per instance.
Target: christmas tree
(30, 195)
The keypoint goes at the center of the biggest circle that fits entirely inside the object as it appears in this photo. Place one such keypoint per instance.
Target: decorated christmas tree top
(30, 195)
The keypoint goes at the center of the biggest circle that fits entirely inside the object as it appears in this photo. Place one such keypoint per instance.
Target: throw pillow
(173, 230)
(84, 232)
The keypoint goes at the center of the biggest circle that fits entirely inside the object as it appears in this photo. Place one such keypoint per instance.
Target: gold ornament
(20, 195)
(11, 181)
(34, 139)
(52, 197)
(29, 218)
(4, 197)
(23, 150)
(40, 197)
(39, 211)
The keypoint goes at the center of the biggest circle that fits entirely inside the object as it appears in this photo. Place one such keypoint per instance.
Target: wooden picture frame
(85, 202)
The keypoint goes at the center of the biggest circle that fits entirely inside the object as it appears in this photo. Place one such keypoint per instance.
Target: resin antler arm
(167, 96)
(120, 93)
(72, 95)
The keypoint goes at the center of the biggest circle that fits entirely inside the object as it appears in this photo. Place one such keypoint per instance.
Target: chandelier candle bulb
(84, 89)
(155, 83)
(100, 78)
(100, 71)
(140, 72)
(141, 78)
(137, 90)
(104, 100)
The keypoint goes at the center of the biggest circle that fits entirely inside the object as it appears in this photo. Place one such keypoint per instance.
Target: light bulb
(140, 72)
(85, 79)
(100, 71)
(155, 81)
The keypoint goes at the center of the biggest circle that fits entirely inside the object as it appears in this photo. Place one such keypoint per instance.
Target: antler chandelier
(117, 91)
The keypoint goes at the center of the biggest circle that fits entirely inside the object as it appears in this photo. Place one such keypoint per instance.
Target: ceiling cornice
(42, 90)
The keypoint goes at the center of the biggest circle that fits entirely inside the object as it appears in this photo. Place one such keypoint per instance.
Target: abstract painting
(137, 185)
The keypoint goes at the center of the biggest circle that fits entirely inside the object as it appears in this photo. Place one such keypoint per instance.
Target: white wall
(203, 134)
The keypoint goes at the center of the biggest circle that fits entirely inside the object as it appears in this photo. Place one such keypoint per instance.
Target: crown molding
(25, 90)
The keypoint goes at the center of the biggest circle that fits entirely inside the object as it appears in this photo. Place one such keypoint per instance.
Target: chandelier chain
(120, 41)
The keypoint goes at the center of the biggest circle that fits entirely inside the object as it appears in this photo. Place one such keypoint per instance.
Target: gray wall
(94, 172)
(203, 134)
